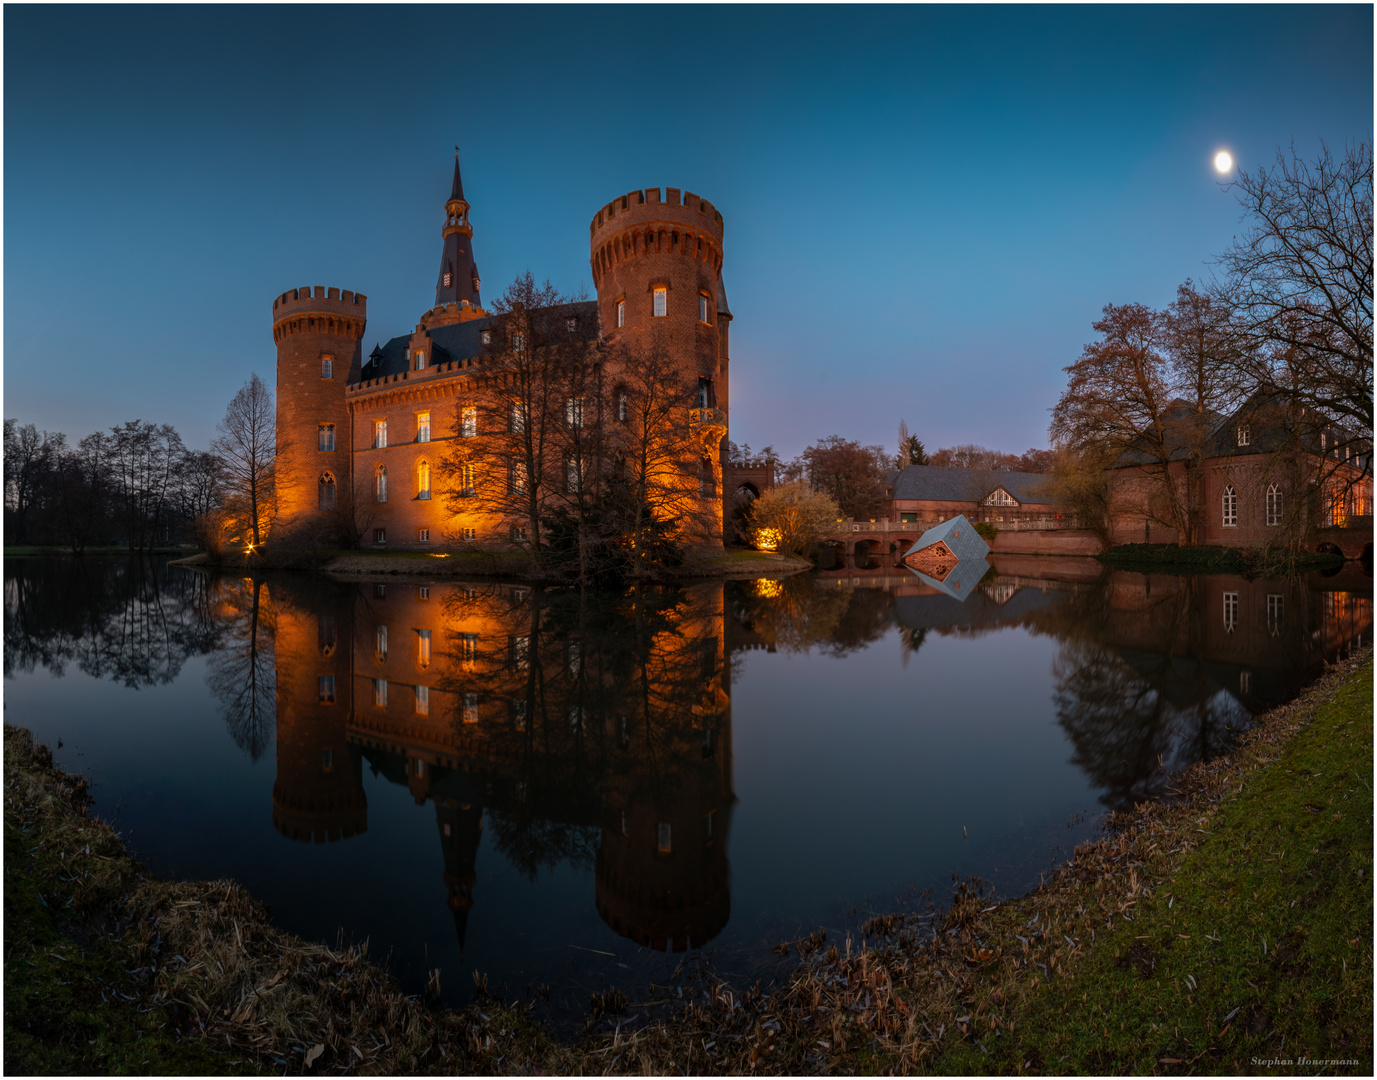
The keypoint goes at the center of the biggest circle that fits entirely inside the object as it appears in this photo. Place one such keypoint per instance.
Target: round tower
(319, 335)
(657, 267)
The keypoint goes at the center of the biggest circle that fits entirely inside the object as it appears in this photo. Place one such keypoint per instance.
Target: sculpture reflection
(593, 729)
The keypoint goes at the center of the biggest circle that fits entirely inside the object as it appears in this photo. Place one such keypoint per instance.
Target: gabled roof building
(1267, 473)
(933, 493)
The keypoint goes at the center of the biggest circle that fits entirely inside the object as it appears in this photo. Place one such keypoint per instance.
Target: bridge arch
(864, 554)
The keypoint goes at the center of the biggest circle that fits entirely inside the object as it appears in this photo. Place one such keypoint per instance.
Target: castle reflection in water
(597, 727)
(594, 728)
(561, 721)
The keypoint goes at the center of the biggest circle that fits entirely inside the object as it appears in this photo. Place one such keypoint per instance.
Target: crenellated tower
(657, 267)
(319, 335)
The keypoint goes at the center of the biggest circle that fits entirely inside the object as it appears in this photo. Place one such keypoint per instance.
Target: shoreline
(737, 564)
(996, 988)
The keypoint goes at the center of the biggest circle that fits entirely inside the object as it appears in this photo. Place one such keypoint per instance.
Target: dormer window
(1244, 435)
(327, 367)
(1000, 497)
(448, 279)
(420, 360)
(487, 337)
(571, 324)
(518, 342)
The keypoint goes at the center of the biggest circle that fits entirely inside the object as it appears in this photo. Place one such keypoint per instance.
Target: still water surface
(580, 789)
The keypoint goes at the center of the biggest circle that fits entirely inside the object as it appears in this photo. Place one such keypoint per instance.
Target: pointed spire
(457, 190)
(458, 279)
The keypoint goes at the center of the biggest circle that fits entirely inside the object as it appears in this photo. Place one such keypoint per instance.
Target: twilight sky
(925, 207)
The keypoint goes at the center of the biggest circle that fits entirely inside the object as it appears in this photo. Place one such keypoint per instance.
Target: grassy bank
(1231, 924)
(1207, 559)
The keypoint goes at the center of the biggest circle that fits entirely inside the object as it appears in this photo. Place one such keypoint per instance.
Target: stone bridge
(882, 544)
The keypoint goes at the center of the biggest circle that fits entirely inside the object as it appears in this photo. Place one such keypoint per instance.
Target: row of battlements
(651, 197)
(302, 298)
(433, 370)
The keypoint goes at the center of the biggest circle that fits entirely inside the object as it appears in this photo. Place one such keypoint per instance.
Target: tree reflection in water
(242, 672)
(1134, 721)
(134, 621)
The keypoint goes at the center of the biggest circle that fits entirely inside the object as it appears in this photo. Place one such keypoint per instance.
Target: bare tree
(506, 458)
(84, 490)
(1203, 350)
(248, 447)
(1300, 279)
(144, 457)
(660, 475)
(1119, 401)
(29, 459)
(202, 483)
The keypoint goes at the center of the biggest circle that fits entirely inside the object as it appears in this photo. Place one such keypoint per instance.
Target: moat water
(576, 790)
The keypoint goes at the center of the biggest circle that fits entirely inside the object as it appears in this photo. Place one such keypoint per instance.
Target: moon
(1223, 161)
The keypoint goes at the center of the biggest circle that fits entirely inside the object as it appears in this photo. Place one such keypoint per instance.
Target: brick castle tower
(319, 335)
(657, 267)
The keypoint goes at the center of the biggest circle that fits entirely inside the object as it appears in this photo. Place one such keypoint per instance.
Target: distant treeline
(135, 485)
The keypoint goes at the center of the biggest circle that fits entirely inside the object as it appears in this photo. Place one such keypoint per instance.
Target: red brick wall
(308, 328)
(640, 241)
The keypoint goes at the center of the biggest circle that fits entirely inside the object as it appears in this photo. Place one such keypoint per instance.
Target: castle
(362, 442)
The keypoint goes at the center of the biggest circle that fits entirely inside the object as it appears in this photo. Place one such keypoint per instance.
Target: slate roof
(456, 190)
(936, 483)
(960, 537)
(1267, 414)
(460, 341)
(1179, 421)
(960, 582)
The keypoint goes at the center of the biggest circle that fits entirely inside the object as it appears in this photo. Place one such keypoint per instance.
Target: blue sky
(926, 207)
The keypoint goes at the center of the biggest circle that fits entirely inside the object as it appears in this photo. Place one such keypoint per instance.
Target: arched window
(325, 492)
(1230, 506)
(1273, 504)
(423, 480)
(380, 481)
